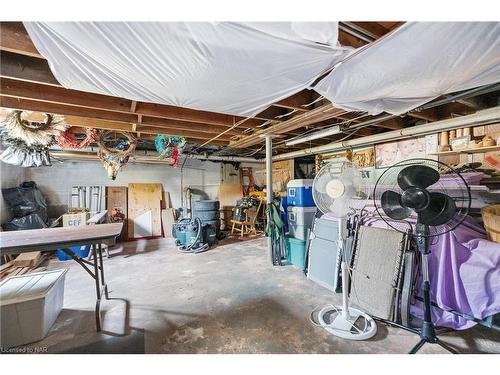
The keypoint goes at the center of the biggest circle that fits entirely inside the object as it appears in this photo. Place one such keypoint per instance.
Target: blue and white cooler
(299, 193)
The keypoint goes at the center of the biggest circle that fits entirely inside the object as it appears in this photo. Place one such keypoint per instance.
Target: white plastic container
(300, 220)
(29, 306)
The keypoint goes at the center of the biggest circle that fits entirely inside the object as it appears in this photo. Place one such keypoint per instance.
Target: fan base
(346, 327)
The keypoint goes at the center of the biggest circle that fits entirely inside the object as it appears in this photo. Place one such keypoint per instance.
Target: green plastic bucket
(296, 251)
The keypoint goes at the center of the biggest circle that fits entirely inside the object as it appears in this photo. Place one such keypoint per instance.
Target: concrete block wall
(11, 176)
(55, 182)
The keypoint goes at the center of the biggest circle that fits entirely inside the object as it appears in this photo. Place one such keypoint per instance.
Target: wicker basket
(491, 219)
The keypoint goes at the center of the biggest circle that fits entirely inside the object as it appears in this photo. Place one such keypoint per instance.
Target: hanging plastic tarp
(25, 158)
(232, 68)
(415, 64)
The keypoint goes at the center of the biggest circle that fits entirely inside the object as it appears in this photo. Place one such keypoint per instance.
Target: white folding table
(23, 241)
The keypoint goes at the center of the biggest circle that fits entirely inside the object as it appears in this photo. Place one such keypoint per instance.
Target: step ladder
(246, 180)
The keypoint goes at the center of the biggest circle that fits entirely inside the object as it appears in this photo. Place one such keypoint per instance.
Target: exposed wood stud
(133, 106)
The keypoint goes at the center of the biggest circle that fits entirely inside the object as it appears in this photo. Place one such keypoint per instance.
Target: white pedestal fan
(337, 191)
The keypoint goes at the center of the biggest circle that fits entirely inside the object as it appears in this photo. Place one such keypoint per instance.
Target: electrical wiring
(345, 122)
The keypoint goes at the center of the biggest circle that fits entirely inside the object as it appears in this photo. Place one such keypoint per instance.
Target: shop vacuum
(199, 232)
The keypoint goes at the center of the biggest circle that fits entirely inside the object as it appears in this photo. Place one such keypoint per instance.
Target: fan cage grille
(450, 183)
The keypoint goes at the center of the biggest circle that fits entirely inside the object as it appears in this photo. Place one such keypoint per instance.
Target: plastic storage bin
(300, 220)
(296, 251)
(29, 306)
(299, 193)
(82, 251)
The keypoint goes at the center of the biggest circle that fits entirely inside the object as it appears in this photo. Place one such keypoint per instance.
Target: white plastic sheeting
(232, 68)
(415, 64)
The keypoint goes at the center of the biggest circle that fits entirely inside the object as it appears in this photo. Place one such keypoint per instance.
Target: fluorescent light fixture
(316, 135)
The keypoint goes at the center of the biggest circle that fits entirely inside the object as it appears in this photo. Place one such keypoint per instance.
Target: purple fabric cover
(472, 178)
(464, 270)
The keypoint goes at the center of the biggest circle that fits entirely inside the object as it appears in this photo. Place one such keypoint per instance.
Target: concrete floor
(227, 300)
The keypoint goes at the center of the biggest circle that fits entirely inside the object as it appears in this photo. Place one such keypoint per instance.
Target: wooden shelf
(468, 151)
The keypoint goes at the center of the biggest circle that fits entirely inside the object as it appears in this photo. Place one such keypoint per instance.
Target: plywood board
(166, 200)
(141, 199)
(229, 194)
(116, 204)
(168, 220)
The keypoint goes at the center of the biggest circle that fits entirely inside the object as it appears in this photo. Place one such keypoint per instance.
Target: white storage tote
(300, 219)
(29, 306)
(299, 193)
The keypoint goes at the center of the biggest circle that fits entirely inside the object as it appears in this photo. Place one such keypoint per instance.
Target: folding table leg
(103, 283)
(97, 288)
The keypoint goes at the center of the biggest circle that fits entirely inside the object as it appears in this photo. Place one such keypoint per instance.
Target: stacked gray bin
(208, 212)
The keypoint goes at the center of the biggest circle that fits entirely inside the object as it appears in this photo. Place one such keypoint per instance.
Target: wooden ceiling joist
(71, 111)
(14, 38)
(59, 95)
(82, 122)
(26, 68)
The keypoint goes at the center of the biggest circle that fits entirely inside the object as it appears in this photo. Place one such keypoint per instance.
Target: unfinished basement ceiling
(27, 83)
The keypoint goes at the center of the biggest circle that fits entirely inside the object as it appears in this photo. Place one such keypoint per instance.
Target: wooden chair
(247, 226)
(242, 226)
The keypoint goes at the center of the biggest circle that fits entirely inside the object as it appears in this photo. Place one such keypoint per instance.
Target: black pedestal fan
(440, 203)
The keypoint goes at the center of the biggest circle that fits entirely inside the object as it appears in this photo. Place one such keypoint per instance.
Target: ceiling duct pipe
(483, 117)
(148, 159)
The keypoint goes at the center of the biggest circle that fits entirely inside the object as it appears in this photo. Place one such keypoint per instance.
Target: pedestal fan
(338, 191)
(439, 202)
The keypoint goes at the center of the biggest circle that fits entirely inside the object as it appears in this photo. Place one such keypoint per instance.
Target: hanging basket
(115, 157)
(124, 147)
(34, 132)
(68, 139)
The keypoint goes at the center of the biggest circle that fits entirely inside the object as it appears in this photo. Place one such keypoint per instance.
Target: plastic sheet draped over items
(415, 64)
(232, 68)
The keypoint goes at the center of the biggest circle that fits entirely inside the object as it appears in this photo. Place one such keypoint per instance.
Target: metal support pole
(269, 180)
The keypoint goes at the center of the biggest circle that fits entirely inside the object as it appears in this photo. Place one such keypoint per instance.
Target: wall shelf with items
(468, 151)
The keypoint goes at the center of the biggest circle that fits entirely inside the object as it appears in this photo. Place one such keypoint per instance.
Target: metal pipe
(269, 182)
(357, 32)
(150, 159)
(483, 117)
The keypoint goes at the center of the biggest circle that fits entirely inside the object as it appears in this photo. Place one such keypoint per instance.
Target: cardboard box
(73, 220)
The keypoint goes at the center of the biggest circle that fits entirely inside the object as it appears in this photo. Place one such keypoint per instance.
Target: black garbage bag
(26, 202)
(31, 221)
